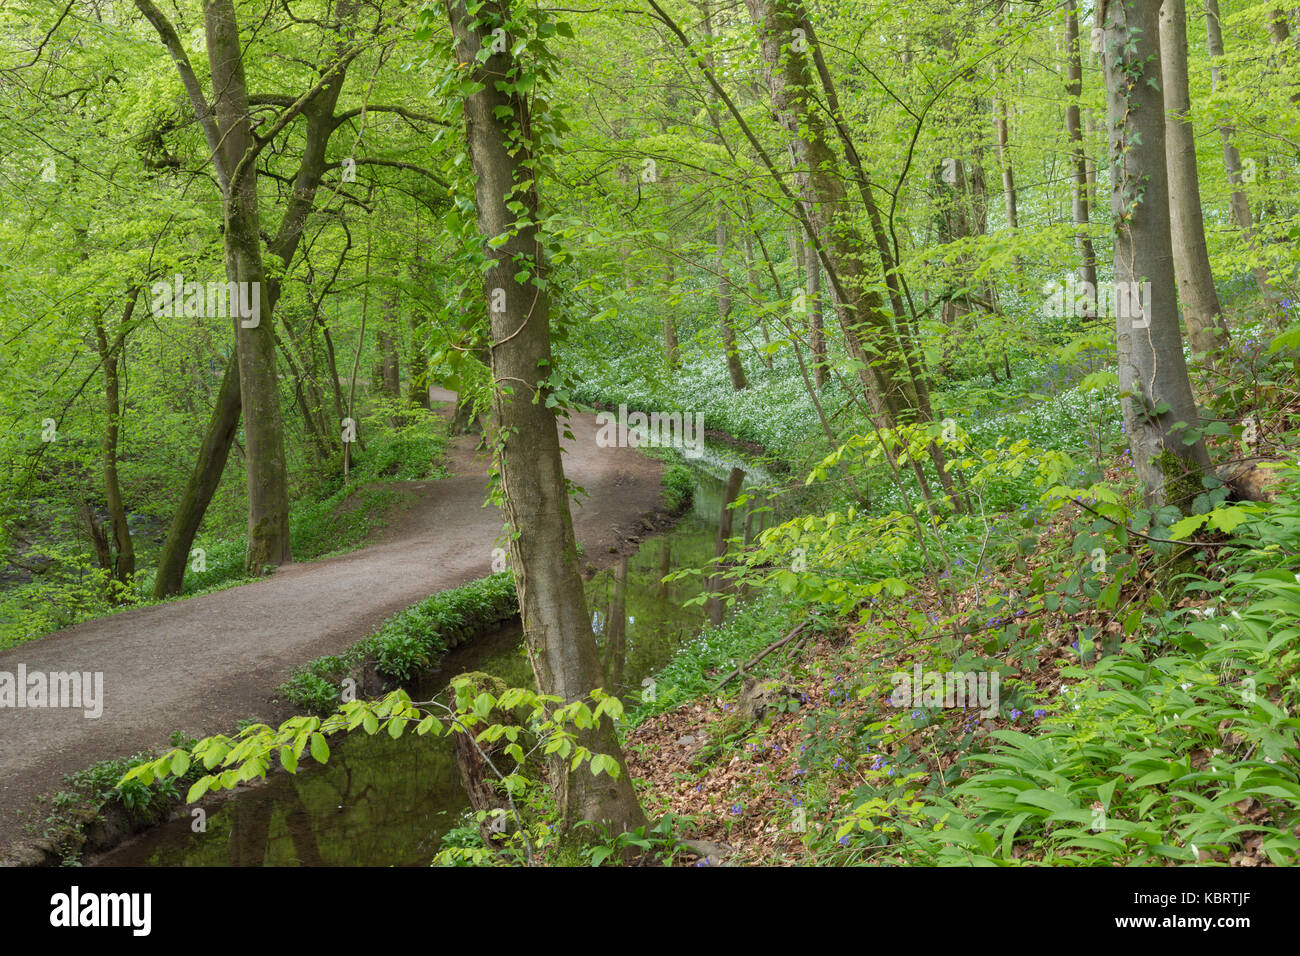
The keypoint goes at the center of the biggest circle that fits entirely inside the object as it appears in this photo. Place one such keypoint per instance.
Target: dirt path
(203, 664)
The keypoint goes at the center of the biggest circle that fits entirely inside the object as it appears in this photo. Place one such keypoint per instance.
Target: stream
(385, 802)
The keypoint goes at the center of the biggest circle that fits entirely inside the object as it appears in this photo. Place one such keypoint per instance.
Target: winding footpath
(203, 664)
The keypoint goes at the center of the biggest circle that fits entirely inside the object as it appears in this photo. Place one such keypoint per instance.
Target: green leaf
(320, 750)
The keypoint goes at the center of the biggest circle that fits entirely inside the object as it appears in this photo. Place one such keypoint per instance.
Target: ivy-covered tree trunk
(553, 607)
(1201, 310)
(1156, 395)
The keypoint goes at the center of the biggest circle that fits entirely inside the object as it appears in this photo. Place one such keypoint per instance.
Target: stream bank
(389, 802)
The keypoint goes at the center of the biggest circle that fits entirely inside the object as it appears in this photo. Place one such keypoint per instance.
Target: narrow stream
(385, 802)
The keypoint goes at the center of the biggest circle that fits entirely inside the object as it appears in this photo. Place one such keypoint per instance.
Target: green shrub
(679, 488)
(409, 642)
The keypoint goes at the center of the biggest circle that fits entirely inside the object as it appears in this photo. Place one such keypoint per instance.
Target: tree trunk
(201, 486)
(616, 628)
(672, 352)
(734, 368)
(1201, 310)
(389, 363)
(1278, 29)
(726, 518)
(1082, 185)
(756, 290)
(1240, 205)
(110, 355)
(320, 125)
(1090, 165)
(557, 626)
(266, 470)
(1156, 395)
(868, 333)
(813, 299)
(1004, 161)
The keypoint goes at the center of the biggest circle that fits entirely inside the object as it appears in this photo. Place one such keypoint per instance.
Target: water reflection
(384, 802)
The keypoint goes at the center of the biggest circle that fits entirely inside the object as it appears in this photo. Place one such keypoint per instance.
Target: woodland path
(201, 665)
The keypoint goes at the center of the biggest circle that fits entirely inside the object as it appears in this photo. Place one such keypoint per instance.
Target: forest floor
(201, 665)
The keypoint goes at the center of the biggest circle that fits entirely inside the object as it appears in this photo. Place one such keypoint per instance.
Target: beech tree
(1160, 414)
(1201, 310)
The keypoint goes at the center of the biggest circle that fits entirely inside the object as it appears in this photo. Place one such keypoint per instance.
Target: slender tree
(1239, 204)
(1080, 196)
(1202, 313)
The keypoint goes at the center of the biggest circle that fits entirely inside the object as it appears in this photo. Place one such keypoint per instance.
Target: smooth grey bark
(223, 423)
(1239, 203)
(1078, 158)
(1202, 312)
(265, 467)
(204, 478)
(1155, 392)
(544, 557)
